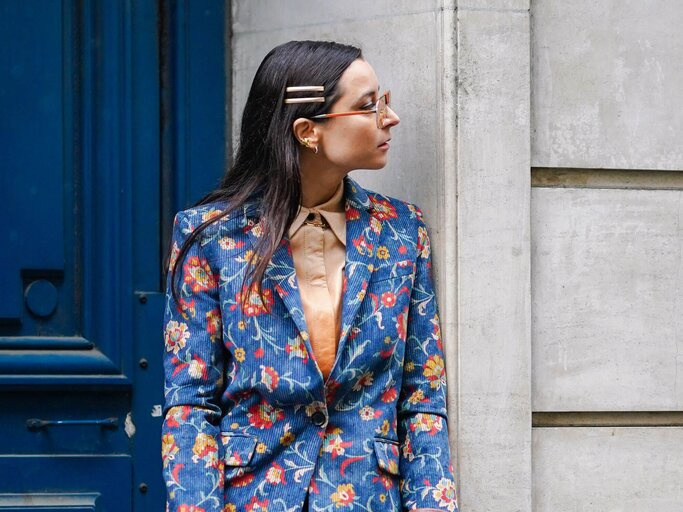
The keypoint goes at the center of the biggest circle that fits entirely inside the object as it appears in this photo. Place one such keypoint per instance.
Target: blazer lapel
(280, 270)
(363, 232)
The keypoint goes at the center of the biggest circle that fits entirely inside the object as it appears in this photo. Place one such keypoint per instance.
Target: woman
(304, 366)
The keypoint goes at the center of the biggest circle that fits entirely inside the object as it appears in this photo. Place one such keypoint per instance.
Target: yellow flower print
(435, 371)
(175, 336)
(445, 494)
(210, 214)
(261, 448)
(287, 439)
(344, 495)
(168, 448)
(384, 429)
(205, 449)
(409, 366)
(416, 397)
(240, 354)
(382, 252)
(241, 325)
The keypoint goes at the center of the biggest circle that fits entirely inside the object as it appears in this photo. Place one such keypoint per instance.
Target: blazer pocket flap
(387, 455)
(238, 449)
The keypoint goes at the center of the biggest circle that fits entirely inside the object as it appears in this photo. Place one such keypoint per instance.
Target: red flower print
(175, 336)
(186, 308)
(362, 246)
(388, 299)
(385, 480)
(205, 450)
(269, 377)
(389, 395)
(242, 481)
(256, 505)
(435, 371)
(190, 508)
(402, 323)
(445, 494)
(352, 214)
(429, 423)
(335, 445)
(168, 449)
(259, 352)
(331, 387)
(383, 209)
(177, 415)
(344, 495)
(423, 247)
(275, 474)
(296, 348)
(197, 274)
(264, 415)
(214, 323)
(254, 306)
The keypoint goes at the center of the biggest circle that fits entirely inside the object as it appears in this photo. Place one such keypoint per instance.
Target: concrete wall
(606, 255)
(541, 141)
(459, 77)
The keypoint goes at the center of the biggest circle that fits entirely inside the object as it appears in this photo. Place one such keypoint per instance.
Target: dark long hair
(266, 166)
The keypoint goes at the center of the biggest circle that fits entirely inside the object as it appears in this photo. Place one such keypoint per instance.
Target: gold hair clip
(306, 88)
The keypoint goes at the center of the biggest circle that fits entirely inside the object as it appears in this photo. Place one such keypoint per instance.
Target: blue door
(112, 117)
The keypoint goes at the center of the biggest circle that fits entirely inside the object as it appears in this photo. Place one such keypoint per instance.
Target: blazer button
(319, 418)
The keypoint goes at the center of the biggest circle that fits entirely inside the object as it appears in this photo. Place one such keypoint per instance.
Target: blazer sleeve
(193, 369)
(427, 478)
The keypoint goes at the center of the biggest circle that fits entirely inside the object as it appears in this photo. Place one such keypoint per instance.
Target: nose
(392, 119)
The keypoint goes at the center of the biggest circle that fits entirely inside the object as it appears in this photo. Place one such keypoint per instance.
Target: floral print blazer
(249, 422)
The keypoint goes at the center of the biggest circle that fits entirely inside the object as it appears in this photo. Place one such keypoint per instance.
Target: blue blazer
(249, 422)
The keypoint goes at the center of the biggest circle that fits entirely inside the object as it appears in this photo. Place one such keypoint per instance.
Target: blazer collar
(363, 231)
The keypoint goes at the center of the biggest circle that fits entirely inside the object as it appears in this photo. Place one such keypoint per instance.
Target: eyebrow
(369, 93)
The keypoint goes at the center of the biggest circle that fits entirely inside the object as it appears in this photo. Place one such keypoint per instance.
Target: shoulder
(398, 212)
(188, 220)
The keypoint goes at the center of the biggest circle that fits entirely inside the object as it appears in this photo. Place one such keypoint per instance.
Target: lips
(385, 142)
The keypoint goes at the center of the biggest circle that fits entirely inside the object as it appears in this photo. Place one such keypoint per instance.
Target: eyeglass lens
(382, 110)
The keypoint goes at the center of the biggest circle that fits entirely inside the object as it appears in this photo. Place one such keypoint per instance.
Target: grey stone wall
(542, 141)
(606, 255)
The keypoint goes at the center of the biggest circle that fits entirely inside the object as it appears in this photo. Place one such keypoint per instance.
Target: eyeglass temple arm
(340, 114)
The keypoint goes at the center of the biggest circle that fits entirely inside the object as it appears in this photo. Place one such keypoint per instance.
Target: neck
(318, 185)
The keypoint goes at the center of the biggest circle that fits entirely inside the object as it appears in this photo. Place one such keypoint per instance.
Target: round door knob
(41, 298)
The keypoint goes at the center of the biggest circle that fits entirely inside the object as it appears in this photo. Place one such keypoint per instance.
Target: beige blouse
(318, 240)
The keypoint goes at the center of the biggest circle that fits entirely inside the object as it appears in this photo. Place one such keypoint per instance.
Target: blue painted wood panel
(88, 186)
(33, 159)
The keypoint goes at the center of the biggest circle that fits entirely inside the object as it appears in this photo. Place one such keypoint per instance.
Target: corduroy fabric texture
(250, 423)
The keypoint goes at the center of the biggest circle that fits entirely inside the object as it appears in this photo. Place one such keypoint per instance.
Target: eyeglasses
(381, 110)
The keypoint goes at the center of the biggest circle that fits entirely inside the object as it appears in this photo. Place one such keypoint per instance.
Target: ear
(305, 128)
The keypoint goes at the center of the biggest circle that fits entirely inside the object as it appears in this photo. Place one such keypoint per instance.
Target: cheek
(352, 147)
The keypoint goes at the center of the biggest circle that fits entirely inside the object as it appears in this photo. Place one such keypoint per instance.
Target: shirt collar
(333, 212)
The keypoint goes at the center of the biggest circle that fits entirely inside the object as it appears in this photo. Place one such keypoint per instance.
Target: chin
(377, 164)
